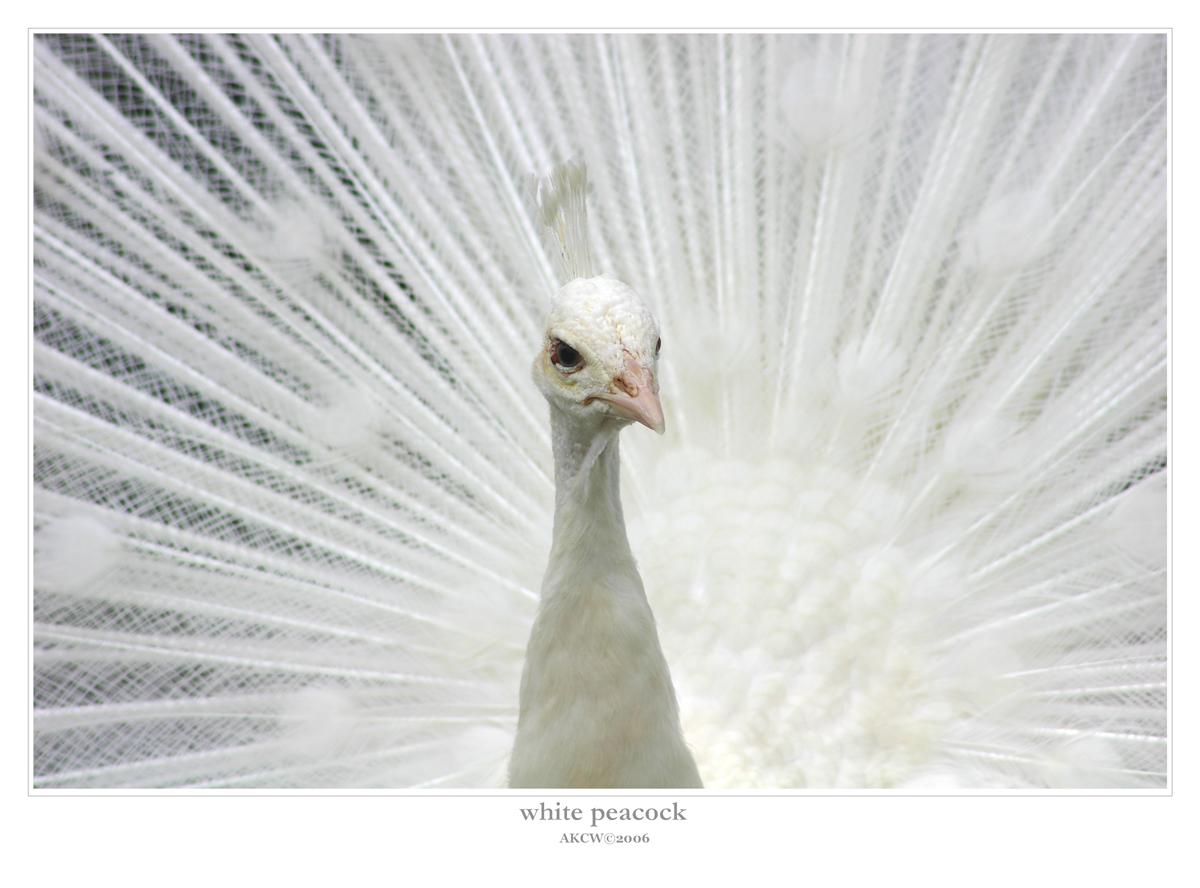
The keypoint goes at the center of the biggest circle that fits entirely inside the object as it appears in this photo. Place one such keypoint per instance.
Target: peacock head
(600, 358)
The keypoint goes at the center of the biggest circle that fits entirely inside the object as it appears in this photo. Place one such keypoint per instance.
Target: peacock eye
(658, 346)
(564, 356)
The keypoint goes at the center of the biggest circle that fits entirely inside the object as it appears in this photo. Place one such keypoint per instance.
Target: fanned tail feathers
(293, 481)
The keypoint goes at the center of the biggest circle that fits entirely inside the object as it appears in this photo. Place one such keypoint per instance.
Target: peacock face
(600, 358)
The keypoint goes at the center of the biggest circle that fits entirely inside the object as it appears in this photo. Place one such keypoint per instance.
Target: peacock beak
(636, 397)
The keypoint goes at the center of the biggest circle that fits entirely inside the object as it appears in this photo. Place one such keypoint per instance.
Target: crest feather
(562, 205)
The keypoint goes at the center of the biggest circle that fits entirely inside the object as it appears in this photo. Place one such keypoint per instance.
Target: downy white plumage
(295, 489)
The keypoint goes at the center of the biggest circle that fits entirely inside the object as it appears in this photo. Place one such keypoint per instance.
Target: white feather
(295, 491)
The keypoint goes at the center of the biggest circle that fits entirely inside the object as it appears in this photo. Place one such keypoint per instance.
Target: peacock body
(294, 485)
(597, 706)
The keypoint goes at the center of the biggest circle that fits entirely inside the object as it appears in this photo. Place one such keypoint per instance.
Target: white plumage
(907, 524)
(597, 706)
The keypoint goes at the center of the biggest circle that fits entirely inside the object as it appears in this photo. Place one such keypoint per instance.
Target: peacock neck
(589, 526)
(597, 705)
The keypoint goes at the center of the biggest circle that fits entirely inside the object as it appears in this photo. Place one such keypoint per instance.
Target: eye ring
(564, 357)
